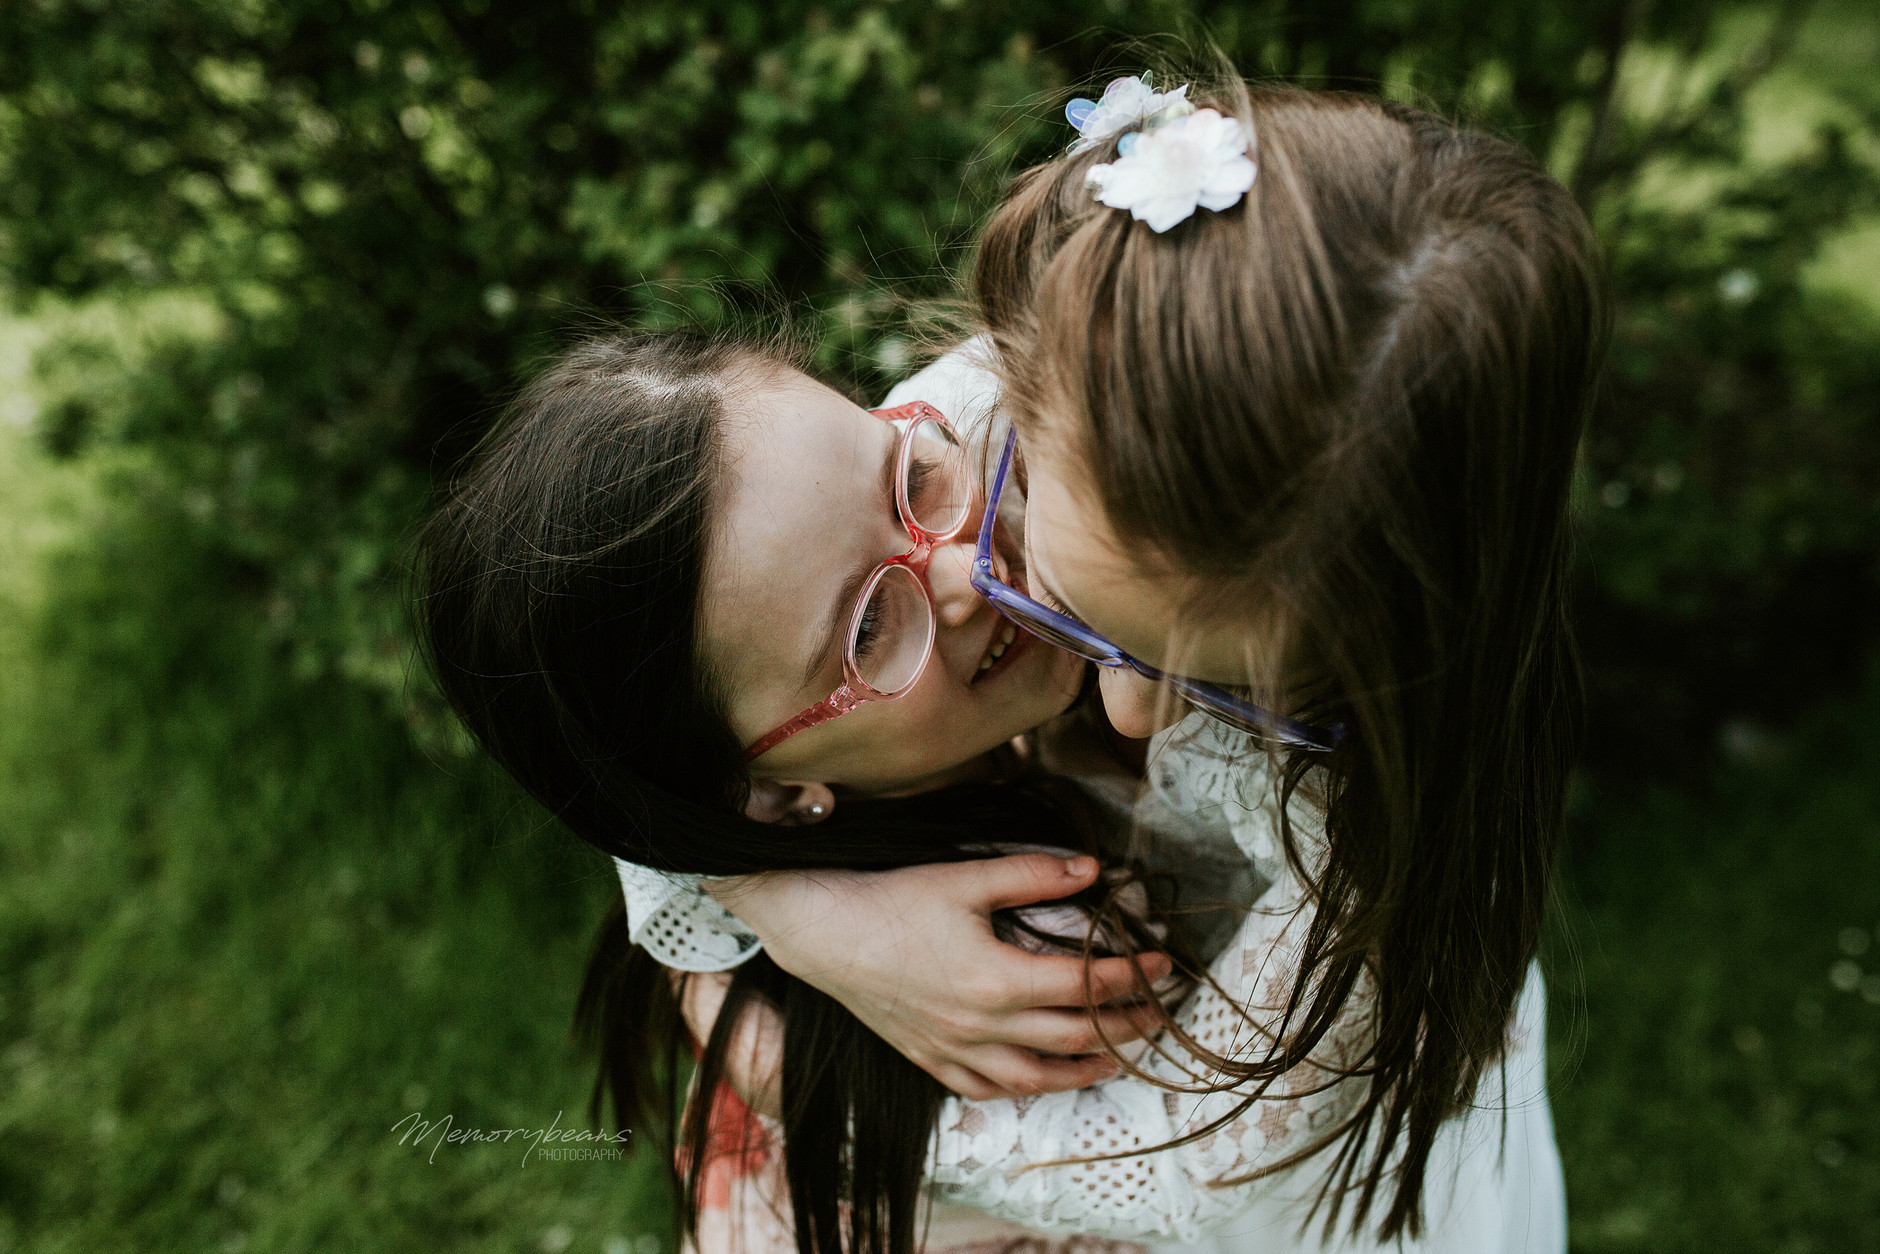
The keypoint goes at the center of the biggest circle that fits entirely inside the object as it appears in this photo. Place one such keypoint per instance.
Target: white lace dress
(1494, 1182)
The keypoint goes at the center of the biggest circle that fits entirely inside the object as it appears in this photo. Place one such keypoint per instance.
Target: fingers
(1030, 980)
(1021, 1073)
(1111, 978)
(965, 1081)
(1073, 1032)
(1021, 880)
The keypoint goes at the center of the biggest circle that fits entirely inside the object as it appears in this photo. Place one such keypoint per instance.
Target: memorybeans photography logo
(553, 1143)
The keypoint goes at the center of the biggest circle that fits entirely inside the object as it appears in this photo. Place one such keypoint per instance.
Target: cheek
(935, 711)
(910, 735)
(938, 725)
(1071, 549)
(1138, 614)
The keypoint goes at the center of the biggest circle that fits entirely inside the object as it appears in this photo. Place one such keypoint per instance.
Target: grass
(245, 928)
(1715, 1088)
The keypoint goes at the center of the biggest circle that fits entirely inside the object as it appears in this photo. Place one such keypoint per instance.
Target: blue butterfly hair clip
(1127, 102)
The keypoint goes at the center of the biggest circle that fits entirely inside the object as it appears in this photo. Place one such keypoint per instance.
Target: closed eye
(1042, 595)
(868, 632)
(918, 473)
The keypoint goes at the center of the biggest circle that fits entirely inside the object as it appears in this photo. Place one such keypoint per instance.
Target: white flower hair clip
(1161, 175)
(1126, 102)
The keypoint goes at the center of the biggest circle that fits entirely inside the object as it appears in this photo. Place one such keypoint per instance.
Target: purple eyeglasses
(1067, 633)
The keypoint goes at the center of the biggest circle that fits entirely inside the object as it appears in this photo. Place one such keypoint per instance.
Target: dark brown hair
(560, 577)
(1349, 408)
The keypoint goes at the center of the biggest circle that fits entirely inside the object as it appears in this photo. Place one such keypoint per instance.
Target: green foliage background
(389, 209)
(276, 263)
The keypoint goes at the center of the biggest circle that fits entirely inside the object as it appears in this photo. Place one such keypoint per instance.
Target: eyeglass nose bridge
(916, 559)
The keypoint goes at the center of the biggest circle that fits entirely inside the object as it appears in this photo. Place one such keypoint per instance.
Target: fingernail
(1077, 868)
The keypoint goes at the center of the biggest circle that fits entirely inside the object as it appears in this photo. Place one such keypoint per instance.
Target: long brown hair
(1349, 408)
(560, 583)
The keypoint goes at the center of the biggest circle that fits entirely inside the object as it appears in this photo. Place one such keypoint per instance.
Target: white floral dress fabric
(1494, 1183)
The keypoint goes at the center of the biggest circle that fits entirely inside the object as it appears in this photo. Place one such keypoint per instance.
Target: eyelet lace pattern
(1495, 1176)
(1009, 1157)
(675, 920)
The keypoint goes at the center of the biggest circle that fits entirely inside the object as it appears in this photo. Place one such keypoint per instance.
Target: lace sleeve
(1005, 1157)
(679, 923)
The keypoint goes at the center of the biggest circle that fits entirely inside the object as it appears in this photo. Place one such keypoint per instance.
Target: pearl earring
(816, 811)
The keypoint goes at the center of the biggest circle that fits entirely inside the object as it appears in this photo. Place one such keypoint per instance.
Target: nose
(1137, 707)
(949, 575)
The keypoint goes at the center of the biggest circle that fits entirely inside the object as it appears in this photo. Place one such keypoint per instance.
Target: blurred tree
(391, 208)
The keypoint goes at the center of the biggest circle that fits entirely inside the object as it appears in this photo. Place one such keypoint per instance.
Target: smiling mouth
(1009, 640)
(1000, 643)
(1007, 644)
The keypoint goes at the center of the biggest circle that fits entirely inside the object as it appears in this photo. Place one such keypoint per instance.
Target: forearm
(912, 954)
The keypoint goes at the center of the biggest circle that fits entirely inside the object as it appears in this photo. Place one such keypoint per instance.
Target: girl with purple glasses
(1297, 419)
(1298, 381)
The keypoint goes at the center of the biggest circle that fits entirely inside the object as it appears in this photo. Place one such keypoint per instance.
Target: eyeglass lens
(893, 628)
(938, 489)
(892, 631)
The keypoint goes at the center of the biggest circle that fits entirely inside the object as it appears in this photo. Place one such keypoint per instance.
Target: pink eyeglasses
(891, 628)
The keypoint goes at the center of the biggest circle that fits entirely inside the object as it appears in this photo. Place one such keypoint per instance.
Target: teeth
(999, 647)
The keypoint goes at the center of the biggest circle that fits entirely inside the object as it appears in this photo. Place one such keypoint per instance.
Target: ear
(788, 804)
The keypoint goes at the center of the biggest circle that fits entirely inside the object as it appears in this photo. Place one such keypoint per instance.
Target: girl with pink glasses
(720, 620)
(1297, 380)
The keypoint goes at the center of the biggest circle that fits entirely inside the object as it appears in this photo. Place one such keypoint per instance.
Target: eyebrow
(837, 619)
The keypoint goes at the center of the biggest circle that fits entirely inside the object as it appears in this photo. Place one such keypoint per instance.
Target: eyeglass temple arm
(1288, 730)
(911, 410)
(982, 551)
(835, 705)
